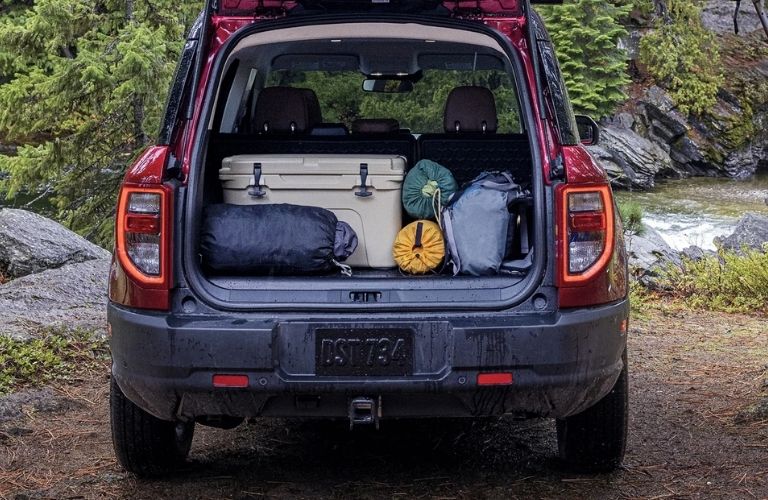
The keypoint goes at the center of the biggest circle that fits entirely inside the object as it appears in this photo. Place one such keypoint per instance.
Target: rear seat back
(286, 110)
(470, 109)
(470, 144)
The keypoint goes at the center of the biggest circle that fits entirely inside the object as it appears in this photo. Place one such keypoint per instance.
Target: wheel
(144, 444)
(595, 439)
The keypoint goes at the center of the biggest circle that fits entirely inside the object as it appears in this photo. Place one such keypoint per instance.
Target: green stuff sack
(420, 186)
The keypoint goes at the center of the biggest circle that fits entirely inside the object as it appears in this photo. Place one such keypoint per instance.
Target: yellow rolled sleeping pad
(419, 247)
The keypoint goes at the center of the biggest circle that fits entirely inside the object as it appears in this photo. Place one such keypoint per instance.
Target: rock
(30, 243)
(663, 122)
(742, 164)
(649, 256)
(751, 232)
(695, 253)
(40, 400)
(717, 16)
(631, 159)
(71, 296)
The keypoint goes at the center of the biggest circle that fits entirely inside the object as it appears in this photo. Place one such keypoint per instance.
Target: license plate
(354, 352)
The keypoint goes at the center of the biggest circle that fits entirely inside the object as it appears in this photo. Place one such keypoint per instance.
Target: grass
(57, 355)
(728, 282)
(632, 217)
(641, 300)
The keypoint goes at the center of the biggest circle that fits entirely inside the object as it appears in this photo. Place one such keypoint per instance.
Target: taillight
(143, 231)
(140, 276)
(142, 235)
(586, 224)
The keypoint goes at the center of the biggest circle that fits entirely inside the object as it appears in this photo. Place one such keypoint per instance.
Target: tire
(144, 444)
(595, 439)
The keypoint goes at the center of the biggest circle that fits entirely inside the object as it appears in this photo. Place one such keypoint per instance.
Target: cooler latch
(363, 179)
(256, 190)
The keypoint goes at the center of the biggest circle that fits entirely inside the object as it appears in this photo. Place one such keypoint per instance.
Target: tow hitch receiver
(364, 411)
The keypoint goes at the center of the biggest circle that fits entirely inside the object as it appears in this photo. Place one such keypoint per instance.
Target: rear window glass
(343, 100)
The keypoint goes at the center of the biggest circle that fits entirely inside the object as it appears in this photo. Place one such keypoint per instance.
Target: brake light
(587, 226)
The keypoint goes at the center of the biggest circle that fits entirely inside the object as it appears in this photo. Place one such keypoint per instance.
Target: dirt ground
(697, 429)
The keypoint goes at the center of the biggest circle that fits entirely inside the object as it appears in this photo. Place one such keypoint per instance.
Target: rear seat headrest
(470, 109)
(286, 109)
(375, 126)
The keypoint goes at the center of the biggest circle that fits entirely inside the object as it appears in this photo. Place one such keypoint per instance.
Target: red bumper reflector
(494, 379)
(220, 380)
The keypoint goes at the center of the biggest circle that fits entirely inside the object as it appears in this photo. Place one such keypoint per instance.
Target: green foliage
(728, 282)
(585, 34)
(632, 217)
(684, 57)
(82, 88)
(54, 356)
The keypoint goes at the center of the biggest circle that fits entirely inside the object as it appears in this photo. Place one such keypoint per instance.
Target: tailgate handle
(256, 190)
(363, 193)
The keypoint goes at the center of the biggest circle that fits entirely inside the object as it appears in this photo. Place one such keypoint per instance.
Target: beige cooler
(372, 208)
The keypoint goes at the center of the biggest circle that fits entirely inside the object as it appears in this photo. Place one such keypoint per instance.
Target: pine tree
(83, 89)
(585, 34)
(684, 56)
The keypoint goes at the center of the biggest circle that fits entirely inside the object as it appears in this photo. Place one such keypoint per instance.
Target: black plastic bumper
(562, 363)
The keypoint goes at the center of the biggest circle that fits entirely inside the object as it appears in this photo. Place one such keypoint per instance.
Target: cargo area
(326, 117)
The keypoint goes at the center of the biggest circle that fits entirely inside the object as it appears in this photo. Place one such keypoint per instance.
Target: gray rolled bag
(475, 223)
(274, 239)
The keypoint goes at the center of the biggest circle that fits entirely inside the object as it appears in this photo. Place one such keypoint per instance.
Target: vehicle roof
(510, 8)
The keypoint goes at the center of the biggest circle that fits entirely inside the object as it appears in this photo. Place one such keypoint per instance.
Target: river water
(695, 211)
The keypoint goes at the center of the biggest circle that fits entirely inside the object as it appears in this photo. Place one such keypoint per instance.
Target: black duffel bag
(274, 239)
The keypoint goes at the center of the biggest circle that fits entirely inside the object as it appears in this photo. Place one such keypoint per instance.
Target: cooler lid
(314, 164)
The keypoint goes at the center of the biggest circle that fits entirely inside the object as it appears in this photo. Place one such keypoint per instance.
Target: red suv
(472, 85)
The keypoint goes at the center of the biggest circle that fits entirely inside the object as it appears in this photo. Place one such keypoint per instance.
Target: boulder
(30, 243)
(71, 296)
(649, 255)
(751, 232)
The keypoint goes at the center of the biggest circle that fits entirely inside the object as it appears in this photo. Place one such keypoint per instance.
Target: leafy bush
(684, 57)
(729, 281)
(54, 356)
(641, 300)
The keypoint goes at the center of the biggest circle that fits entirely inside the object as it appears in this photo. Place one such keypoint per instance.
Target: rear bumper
(561, 364)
